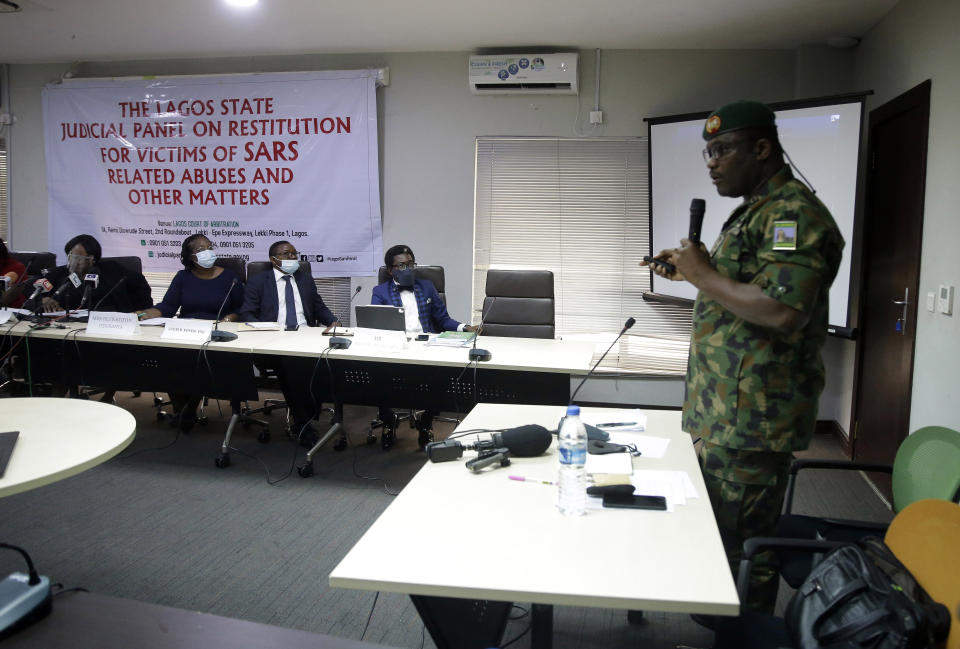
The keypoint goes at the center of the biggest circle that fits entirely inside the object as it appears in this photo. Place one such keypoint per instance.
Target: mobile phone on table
(423, 337)
(625, 501)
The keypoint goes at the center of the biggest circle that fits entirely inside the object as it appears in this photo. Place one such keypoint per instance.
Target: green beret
(736, 116)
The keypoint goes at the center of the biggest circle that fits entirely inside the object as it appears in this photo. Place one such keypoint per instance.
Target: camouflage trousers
(746, 490)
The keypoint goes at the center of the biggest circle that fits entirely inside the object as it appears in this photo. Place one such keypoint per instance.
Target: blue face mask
(206, 258)
(289, 266)
(404, 278)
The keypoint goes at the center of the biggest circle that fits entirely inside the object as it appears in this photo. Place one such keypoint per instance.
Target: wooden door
(893, 231)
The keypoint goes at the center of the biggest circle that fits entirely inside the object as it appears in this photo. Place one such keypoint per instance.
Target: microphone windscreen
(527, 441)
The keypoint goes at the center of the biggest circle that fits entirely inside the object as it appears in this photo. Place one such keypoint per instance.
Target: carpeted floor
(160, 523)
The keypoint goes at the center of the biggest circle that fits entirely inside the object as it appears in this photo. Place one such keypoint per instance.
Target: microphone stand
(107, 294)
(340, 342)
(629, 323)
(216, 335)
(481, 354)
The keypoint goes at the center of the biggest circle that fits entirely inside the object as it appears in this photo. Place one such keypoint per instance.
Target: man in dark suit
(289, 296)
(425, 313)
(83, 258)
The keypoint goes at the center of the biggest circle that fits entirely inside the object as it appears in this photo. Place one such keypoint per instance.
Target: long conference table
(503, 541)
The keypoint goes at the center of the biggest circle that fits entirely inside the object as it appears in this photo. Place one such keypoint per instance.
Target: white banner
(245, 159)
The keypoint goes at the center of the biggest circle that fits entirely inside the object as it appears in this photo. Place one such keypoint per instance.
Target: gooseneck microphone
(697, 208)
(481, 354)
(523, 441)
(73, 279)
(629, 323)
(216, 335)
(107, 294)
(339, 342)
(90, 282)
(41, 285)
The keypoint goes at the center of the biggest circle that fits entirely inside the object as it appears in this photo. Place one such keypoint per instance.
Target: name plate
(111, 323)
(193, 330)
(5, 315)
(380, 338)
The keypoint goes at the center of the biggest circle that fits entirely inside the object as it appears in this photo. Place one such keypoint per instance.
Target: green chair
(927, 465)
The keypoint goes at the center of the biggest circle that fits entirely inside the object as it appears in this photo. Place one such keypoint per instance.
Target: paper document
(453, 339)
(156, 322)
(263, 326)
(648, 445)
(617, 463)
(675, 486)
(624, 420)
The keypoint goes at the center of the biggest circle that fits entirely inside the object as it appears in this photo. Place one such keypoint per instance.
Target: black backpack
(861, 596)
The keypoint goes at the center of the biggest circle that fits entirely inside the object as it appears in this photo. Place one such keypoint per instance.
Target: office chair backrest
(236, 264)
(256, 267)
(927, 465)
(519, 303)
(432, 273)
(35, 261)
(925, 537)
(130, 264)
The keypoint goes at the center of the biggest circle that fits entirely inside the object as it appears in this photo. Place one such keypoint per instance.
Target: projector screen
(821, 137)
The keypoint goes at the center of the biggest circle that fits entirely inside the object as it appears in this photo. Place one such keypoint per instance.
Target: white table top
(149, 336)
(452, 533)
(60, 438)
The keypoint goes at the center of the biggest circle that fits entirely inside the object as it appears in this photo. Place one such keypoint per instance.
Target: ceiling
(92, 30)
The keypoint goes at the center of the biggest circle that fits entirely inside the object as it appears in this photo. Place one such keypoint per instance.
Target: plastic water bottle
(572, 482)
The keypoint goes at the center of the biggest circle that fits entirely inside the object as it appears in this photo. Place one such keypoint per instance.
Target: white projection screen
(822, 137)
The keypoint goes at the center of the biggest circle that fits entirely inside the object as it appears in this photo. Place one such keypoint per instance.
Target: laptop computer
(380, 316)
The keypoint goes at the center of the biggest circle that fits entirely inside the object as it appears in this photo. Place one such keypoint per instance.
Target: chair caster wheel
(371, 439)
(267, 410)
(264, 436)
(635, 617)
(387, 440)
(157, 401)
(306, 470)
(202, 420)
(341, 444)
(136, 394)
(222, 461)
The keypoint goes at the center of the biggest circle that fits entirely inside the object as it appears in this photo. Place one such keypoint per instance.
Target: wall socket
(596, 117)
(945, 299)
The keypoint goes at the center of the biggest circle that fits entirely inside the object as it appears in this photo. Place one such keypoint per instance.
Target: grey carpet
(164, 525)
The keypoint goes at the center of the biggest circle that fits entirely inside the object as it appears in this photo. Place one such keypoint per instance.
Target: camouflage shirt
(748, 386)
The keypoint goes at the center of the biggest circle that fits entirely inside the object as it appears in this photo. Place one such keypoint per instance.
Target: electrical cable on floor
(370, 616)
(522, 633)
(386, 487)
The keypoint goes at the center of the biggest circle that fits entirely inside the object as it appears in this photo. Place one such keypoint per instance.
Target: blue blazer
(433, 312)
(260, 300)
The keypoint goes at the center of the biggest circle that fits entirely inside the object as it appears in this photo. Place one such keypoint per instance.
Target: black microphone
(107, 294)
(481, 354)
(629, 323)
(90, 282)
(41, 285)
(72, 278)
(339, 342)
(216, 335)
(523, 441)
(697, 207)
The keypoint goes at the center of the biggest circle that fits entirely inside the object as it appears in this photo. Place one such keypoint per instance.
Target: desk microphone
(216, 335)
(107, 294)
(523, 441)
(339, 342)
(629, 323)
(90, 282)
(481, 354)
(73, 279)
(41, 285)
(697, 208)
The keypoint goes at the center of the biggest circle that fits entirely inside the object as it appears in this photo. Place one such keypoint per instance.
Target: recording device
(697, 208)
(107, 294)
(90, 282)
(216, 335)
(666, 265)
(629, 501)
(481, 354)
(41, 285)
(24, 598)
(72, 279)
(339, 342)
(523, 441)
(488, 457)
(626, 325)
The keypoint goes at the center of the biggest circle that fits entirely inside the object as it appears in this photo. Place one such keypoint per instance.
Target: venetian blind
(577, 207)
(4, 200)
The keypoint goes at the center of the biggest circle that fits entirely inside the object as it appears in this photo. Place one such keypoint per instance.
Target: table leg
(541, 626)
(456, 623)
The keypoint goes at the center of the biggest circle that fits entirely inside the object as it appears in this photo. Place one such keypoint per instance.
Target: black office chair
(519, 303)
(235, 264)
(35, 261)
(433, 273)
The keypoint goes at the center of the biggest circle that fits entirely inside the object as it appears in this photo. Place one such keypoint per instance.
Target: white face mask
(289, 266)
(206, 258)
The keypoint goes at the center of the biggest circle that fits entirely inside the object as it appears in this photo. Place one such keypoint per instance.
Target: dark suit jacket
(132, 296)
(260, 300)
(433, 312)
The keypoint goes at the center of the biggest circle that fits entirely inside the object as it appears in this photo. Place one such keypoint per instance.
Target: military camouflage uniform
(751, 392)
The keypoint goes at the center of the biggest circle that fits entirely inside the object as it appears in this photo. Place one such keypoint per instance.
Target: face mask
(78, 263)
(404, 278)
(289, 266)
(206, 258)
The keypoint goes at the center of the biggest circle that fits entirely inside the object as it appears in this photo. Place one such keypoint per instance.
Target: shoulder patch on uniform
(784, 235)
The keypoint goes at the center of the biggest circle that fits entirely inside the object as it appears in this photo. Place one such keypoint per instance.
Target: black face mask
(404, 278)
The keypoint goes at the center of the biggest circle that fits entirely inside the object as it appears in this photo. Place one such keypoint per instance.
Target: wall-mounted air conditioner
(504, 74)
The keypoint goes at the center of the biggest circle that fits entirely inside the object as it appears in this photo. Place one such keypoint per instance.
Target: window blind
(580, 208)
(4, 200)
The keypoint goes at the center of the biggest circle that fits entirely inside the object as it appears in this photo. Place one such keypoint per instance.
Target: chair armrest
(848, 465)
(756, 544)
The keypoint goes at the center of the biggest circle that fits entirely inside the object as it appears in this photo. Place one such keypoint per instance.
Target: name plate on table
(380, 338)
(110, 323)
(192, 330)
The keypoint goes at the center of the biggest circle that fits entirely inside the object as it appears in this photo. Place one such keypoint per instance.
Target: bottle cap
(573, 410)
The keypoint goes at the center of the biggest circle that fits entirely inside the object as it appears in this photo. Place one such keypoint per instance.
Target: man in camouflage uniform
(760, 319)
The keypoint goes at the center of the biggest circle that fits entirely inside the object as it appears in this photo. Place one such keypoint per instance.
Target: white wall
(914, 42)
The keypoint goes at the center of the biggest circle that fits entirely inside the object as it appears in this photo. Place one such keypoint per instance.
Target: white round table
(60, 438)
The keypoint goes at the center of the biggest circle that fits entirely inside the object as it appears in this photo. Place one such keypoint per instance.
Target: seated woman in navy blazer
(201, 291)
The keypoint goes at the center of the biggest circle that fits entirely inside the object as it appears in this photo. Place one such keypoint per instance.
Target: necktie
(291, 322)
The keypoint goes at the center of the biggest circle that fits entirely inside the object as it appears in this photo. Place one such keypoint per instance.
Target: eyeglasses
(73, 257)
(292, 254)
(410, 265)
(201, 249)
(719, 151)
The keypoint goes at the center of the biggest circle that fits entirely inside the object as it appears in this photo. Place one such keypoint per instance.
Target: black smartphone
(423, 337)
(625, 501)
(666, 265)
